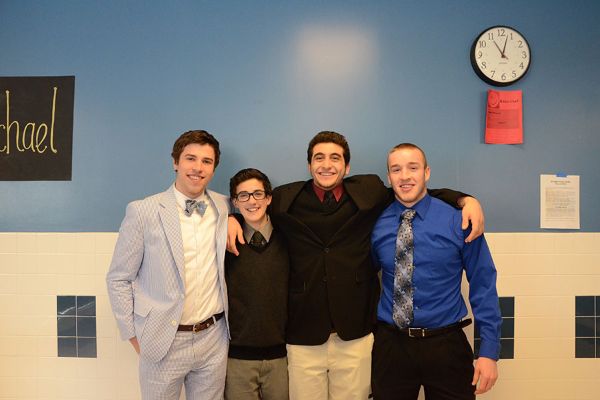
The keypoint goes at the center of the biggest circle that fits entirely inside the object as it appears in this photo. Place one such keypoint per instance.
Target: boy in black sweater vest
(257, 282)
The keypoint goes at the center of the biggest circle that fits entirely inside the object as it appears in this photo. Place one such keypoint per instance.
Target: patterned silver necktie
(190, 205)
(403, 291)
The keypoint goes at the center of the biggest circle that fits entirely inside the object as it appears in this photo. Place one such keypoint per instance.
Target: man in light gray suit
(166, 280)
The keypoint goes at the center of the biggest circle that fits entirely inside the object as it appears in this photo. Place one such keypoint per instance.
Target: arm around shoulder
(472, 212)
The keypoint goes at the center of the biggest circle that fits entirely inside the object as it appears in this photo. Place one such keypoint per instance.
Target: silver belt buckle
(412, 335)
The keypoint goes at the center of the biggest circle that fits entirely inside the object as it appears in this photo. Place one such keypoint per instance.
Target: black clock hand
(504, 48)
(498, 47)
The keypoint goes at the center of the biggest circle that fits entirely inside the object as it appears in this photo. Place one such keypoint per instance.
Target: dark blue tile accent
(585, 327)
(507, 306)
(86, 347)
(86, 305)
(584, 306)
(507, 349)
(66, 326)
(76, 326)
(508, 328)
(86, 327)
(65, 305)
(597, 347)
(67, 347)
(584, 348)
(598, 306)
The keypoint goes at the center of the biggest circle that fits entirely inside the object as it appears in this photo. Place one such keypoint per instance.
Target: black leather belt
(200, 326)
(425, 333)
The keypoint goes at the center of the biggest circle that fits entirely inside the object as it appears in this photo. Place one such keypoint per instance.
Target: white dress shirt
(202, 298)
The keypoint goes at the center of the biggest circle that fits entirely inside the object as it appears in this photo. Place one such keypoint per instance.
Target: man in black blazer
(334, 289)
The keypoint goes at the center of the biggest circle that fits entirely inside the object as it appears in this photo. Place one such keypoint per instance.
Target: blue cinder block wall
(265, 76)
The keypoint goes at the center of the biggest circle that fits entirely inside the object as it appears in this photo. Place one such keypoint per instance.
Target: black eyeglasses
(245, 196)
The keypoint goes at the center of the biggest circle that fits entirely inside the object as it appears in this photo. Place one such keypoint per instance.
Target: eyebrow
(409, 164)
(195, 156)
(329, 154)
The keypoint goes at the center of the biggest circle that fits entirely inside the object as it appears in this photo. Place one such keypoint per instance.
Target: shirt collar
(338, 192)
(180, 198)
(421, 207)
(266, 230)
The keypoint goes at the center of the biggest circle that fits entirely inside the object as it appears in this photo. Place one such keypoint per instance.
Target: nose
(404, 174)
(198, 166)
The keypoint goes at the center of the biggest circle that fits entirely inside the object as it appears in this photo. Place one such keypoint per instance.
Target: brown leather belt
(425, 333)
(200, 326)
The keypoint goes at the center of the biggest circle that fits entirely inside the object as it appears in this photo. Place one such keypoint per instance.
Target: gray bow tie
(190, 205)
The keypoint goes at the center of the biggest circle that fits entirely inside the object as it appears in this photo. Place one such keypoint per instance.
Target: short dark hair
(329, 137)
(409, 146)
(245, 175)
(199, 137)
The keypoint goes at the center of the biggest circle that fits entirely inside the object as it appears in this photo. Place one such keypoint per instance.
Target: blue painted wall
(265, 76)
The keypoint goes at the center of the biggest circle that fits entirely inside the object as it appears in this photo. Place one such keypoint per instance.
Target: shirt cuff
(490, 350)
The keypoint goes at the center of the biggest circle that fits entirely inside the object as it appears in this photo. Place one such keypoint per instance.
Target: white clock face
(500, 56)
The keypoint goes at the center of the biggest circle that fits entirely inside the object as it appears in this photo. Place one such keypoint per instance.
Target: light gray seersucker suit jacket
(146, 276)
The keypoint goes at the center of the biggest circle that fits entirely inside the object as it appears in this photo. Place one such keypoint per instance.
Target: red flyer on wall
(504, 117)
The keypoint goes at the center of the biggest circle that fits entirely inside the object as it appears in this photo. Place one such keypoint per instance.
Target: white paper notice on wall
(559, 201)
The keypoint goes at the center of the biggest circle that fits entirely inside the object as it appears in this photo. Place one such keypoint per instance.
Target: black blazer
(336, 279)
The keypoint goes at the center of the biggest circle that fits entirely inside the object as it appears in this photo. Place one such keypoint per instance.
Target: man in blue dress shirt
(431, 349)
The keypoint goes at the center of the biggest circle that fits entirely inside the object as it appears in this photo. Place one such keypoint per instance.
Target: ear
(268, 200)
(427, 173)
(175, 165)
(347, 170)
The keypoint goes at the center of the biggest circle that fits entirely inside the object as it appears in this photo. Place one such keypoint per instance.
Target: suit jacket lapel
(282, 205)
(222, 213)
(169, 216)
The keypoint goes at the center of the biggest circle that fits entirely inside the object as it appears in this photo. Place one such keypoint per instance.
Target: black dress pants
(442, 364)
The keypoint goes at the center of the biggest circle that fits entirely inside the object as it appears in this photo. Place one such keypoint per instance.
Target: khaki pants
(256, 379)
(335, 370)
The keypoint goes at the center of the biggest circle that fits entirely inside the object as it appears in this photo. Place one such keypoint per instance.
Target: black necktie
(329, 199)
(258, 240)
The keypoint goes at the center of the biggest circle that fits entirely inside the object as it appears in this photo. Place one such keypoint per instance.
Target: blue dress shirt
(440, 254)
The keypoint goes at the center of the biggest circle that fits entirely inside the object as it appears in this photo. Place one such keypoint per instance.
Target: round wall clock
(500, 55)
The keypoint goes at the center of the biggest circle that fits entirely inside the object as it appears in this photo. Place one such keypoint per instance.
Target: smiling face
(195, 168)
(327, 165)
(408, 175)
(254, 211)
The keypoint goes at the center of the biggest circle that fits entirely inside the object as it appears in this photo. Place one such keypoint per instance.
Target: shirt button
(174, 323)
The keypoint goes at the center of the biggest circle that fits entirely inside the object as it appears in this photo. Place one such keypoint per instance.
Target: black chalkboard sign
(36, 128)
